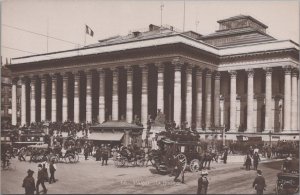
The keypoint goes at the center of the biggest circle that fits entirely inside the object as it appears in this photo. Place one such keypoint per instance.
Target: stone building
(239, 77)
(6, 95)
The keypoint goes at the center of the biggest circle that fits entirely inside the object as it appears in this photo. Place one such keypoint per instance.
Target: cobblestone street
(88, 177)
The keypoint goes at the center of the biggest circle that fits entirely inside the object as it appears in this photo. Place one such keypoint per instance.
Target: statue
(160, 119)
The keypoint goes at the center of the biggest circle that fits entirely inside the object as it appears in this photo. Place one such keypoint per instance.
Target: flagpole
(84, 35)
(47, 33)
(183, 14)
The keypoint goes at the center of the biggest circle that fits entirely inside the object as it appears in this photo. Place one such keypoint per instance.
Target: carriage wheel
(141, 162)
(195, 165)
(182, 159)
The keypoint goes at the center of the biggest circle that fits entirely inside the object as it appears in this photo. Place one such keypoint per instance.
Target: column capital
(268, 71)
(233, 73)
(295, 72)
(208, 73)
(88, 73)
(65, 75)
(177, 62)
(100, 70)
(217, 75)
(287, 69)
(53, 75)
(199, 71)
(15, 80)
(250, 72)
(189, 69)
(160, 66)
(144, 67)
(114, 69)
(128, 68)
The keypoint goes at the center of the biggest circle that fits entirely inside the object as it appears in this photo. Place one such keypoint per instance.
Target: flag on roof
(89, 31)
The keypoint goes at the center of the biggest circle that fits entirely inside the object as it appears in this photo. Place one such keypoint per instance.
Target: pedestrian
(52, 168)
(98, 154)
(259, 183)
(225, 155)
(86, 152)
(104, 155)
(45, 168)
(256, 159)
(41, 179)
(29, 183)
(203, 183)
(248, 161)
(179, 169)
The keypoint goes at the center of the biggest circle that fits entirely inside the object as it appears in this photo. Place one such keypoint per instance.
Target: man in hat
(259, 183)
(203, 183)
(52, 168)
(41, 179)
(29, 183)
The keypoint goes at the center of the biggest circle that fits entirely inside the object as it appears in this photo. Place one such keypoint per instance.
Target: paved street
(90, 177)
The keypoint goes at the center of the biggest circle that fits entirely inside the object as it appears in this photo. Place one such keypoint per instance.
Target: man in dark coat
(225, 155)
(104, 155)
(41, 179)
(179, 169)
(29, 183)
(203, 183)
(259, 183)
(256, 159)
(52, 168)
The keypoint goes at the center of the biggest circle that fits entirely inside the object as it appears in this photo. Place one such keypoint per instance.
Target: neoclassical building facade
(239, 78)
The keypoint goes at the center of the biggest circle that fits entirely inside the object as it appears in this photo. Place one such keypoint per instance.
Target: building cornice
(154, 42)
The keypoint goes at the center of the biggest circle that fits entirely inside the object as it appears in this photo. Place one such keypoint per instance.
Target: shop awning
(106, 136)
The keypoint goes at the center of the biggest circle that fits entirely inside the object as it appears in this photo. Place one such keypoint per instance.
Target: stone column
(129, 96)
(160, 86)
(199, 98)
(189, 96)
(32, 100)
(53, 99)
(222, 109)
(43, 98)
(294, 110)
(217, 100)
(23, 101)
(208, 100)
(65, 97)
(268, 98)
(115, 97)
(250, 94)
(233, 75)
(144, 96)
(177, 91)
(14, 102)
(76, 96)
(101, 95)
(287, 99)
(88, 96)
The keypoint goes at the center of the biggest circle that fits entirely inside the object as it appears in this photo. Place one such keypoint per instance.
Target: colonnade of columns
(203, 113)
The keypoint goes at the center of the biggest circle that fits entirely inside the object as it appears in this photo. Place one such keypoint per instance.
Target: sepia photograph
(150, 97)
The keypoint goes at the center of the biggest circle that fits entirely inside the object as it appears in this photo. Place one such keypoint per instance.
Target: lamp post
(270, 138)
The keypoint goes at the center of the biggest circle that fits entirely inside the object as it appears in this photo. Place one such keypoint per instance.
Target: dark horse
(207, 158)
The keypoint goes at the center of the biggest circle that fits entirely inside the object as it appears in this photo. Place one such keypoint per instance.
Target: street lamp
(270, 138)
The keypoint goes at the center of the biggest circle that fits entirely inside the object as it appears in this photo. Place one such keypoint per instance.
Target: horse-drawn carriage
(181, 147)
(127, 156)
(288, 179)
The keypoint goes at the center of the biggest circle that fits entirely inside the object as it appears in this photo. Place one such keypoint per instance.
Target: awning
(106, 136)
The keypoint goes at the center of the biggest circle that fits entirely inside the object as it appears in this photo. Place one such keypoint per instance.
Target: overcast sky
(66, 19)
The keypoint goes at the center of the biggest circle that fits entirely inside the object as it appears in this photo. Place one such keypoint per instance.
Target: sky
(65, 20)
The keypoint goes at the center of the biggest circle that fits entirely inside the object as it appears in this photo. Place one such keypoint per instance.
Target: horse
(207, 158)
